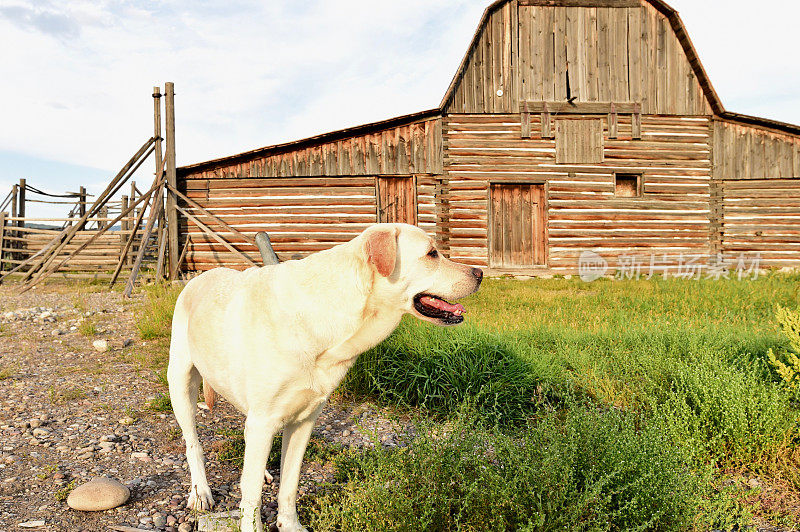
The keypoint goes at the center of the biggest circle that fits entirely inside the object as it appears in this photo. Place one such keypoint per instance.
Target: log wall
(404, 150)
(302, 215)
(609, 54)
(762, 216)
(672, 215)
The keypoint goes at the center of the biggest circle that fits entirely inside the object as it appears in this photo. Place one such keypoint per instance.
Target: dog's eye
(433, 253)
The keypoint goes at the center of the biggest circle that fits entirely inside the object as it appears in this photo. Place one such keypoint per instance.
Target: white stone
(101, 346)
(98, 494)
(31, 524)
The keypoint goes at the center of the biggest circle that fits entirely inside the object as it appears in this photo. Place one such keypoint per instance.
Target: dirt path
(70, 412)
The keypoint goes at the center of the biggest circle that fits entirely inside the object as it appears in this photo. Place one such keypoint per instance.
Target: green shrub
(731, 416)
(787, 364)
(581, 470)
(437, 370)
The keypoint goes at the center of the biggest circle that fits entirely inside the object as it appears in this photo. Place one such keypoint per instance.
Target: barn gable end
(557, 51)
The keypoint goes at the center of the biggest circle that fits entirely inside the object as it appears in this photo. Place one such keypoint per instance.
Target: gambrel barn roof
(671, 15)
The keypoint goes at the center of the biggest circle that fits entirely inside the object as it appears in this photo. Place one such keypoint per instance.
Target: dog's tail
(209, 395)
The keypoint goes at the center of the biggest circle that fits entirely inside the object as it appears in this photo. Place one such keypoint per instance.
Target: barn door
(517, 231)
(397, 200)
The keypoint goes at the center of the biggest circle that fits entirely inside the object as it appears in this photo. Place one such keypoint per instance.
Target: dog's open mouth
(437, 308)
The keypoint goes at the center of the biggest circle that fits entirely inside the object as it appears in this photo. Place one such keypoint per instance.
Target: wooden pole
(82, 205)
(174, 274)
(21, 213)
(13, 243)
(124, 228)
(162, 217)
(21, 199)
(69, 232)
(102, 218)
(46, 273)
(159, 198)
(172, 180)
(157, 202)
(2, 238)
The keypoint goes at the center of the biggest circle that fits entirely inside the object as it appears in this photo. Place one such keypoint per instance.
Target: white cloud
(249, 73)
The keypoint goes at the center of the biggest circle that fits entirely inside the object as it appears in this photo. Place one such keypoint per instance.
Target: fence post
(2, 238)
(21, 213)
(172, 212)
(13, 243)
(125, 226)
(161, 216)
(82, 204)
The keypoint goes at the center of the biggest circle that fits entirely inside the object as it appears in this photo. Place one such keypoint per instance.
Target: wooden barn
(570, 126)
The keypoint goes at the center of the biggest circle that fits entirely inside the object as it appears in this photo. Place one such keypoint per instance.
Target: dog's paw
(290, 523)
(200, 498)
(268, 477)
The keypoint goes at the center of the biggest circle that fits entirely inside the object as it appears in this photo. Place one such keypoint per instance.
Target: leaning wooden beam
(158, 204)
(174, 273)
(213, 217)
(214, 235)
(69, 232)
(44, 274)
(162, 247)
(135, 229)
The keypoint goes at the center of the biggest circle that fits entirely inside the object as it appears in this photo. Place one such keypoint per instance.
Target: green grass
(583, 470)
(154, 318)
(607, 376)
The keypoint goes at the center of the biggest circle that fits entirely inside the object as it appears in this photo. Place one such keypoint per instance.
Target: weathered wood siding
(491, 67)
(672, 215)
(411, 149)
(614, 54)
(742, 151)
(302, 215)
(762, 216)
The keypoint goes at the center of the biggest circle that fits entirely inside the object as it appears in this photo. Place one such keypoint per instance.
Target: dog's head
(409, 272)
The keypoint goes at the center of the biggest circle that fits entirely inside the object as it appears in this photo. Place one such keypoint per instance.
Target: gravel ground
(70, 413)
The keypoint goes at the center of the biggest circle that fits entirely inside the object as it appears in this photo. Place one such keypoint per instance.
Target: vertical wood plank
(560, 53)
(591, 61)
(634, 51)
(548, 70)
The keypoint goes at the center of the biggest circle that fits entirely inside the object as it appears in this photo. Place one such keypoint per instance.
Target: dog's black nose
(478, 273)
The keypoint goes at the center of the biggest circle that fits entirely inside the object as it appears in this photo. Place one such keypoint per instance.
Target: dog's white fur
(276, 341)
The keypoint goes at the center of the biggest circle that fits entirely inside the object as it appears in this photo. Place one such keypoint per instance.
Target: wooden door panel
(517, 225)
(397, 200)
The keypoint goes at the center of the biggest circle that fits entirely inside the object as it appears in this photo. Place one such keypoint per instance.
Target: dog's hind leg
(258, 434)
(184, 383)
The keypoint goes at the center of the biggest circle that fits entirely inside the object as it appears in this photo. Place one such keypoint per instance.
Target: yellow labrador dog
(276, 341)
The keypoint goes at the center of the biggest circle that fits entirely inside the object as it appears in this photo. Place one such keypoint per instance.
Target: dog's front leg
(295, 440)
(258, 434)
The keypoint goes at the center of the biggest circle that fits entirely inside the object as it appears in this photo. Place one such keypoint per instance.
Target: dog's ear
(381, 248)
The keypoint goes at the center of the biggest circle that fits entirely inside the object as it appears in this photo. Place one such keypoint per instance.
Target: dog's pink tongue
(442, 305)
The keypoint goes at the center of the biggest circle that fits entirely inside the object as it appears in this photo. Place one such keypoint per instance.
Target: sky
(77, 76)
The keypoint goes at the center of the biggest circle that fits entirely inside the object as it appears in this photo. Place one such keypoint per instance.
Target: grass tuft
(155, 315)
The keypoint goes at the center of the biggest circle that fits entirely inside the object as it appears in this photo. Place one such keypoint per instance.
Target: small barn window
(628, 185)
(579, 141)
